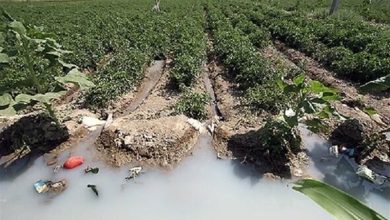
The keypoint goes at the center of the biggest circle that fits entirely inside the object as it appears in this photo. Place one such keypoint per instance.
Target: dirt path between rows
(151, 78)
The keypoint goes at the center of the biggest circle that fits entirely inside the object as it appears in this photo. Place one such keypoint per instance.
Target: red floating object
(73, 162)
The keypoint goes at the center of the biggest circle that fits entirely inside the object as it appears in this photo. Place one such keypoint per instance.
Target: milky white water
(202, 187)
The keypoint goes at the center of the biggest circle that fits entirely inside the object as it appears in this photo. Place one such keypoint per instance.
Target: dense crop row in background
(189, 48)
(371, 10)
(353, 50)
(115, 41)
(250, 70)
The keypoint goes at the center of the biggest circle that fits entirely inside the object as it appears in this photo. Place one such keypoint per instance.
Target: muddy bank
(37, 133)
(147, 130)
(155, 142)
(237, 132)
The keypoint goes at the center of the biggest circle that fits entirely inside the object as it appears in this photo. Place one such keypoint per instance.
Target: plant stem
(30, 67)
(51, 113)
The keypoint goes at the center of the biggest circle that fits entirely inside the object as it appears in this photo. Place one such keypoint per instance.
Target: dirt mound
(237, 134)
(156, 142)
(38, 132)
(349, 132)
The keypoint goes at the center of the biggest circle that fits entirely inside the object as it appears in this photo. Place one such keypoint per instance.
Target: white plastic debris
(365, 172)
(108, 121)
(387, 135)
(92, 123)
(289, 113)
(134, 172)
(334, 150)
(211, 127)
(197, 125)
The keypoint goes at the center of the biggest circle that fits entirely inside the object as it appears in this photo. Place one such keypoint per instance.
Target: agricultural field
(284, 89)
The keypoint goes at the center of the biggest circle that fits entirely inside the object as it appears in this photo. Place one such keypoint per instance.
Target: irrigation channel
(201, 187)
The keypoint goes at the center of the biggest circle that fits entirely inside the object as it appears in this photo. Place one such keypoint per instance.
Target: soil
(151, 78)
(235, 118)
(349, 91)
(154, 142)
(148, 132)
(351, 105)
(236, 134)
(145, 129)
(38, 132)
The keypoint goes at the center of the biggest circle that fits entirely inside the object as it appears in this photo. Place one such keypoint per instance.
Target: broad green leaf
(45, 98)
(330, 96)
(9, 111)
(67, 65)
(299, 79)
(18, 27)
(318, 87)
(318, 101)
(4, 58)
(377, 85)
(308, 107)
(5, 100)
(76, 77)
(281, 84)
(336, 202)
(326, 112)
(315, 125)
(291, 89)
(370, 111)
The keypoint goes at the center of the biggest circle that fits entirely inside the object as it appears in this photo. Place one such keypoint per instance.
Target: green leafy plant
(351, 48)
(336, 202)
(267, 96)
(308, 101)
(311, 98)
(279, 139)
(193, 105)
(38, 57)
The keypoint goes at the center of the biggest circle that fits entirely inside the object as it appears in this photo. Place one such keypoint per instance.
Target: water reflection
(341, 173)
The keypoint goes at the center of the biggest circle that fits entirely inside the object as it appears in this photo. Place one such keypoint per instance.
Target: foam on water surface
(201, 187)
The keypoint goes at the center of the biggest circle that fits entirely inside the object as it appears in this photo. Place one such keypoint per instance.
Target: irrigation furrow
(152, 75)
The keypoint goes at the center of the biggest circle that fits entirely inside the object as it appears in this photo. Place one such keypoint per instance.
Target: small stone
(128, 140)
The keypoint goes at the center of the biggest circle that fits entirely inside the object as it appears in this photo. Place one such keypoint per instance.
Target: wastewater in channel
(201, 187)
